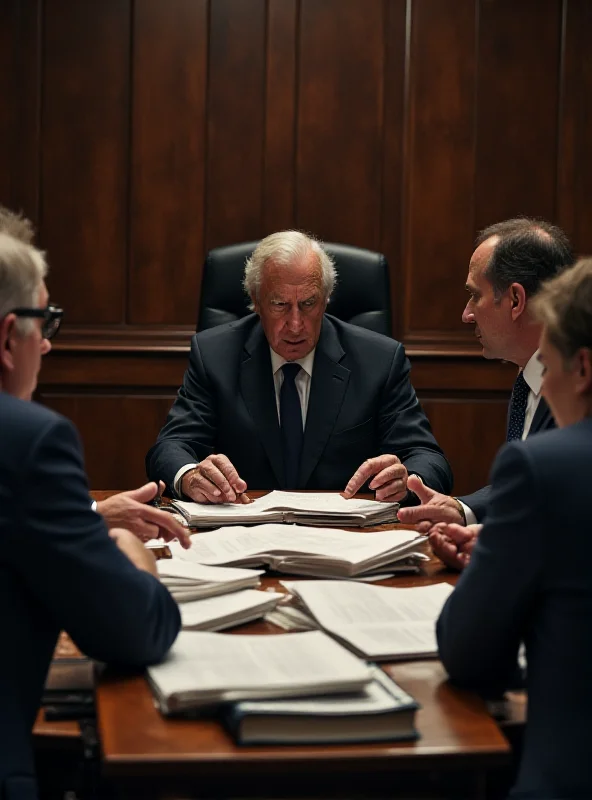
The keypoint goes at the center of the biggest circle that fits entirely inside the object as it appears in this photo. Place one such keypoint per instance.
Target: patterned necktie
(291, 424)
(517, 408)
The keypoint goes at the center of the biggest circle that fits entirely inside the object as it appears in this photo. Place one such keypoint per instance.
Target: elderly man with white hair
(291, 397)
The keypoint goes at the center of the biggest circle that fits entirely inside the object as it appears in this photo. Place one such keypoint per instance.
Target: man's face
(291, 305)
(566, 385)
(24, 356)
(492, 318)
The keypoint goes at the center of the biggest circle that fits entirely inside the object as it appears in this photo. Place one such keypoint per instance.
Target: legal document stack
(326, 509)
(205, 669)
(299, 550)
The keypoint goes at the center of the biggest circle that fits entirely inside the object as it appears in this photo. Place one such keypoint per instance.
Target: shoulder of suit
(26, 419)
(229, 330)
(354, 333)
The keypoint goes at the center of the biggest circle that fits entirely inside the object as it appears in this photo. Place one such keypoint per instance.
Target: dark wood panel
(574, 164)
(470, 431)
(440, 171)
(236, 121)
(9, 109)
(517, 108)
(280, 110)
(83, 222)
(168, 148)
(116, 432)
(393, 160)
(20, 25)
(340, 119)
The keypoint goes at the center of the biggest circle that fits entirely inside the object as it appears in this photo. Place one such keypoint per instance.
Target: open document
(376, 622)
(299, 550)
(308, 508)
(205, 669)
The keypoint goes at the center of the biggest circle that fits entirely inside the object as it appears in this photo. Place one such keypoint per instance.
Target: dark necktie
(517, 408)
(291, 424)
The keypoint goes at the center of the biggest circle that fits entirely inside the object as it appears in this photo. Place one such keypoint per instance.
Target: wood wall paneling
(85, 164)
(470, 432)
(167, 160)
(393, 166)
(236, 121)
(118, 430)
(517, 109)
(138, 134)
(440, 173)
(280, 111)
(340, 120)
(574, 167)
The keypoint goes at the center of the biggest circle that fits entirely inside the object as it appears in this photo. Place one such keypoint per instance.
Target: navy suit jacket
(361, 404)
(529, 580)
(479, 500)
(59, 570)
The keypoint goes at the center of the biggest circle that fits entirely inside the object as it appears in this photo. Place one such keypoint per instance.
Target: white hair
(284, 248)
(22, 270)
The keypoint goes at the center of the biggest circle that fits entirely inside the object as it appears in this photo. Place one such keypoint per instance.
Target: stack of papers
(376, 622)
(307, 508)
(206, 669)
(381, 711)
(187, 580)
(227, 610)
(318, 552)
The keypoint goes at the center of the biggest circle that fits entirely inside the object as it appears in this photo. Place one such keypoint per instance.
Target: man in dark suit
(511, 261)
(529, 575)
(291, 397)
(59, 566)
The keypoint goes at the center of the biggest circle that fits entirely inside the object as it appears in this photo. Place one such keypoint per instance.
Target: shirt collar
(277, 361)
(533, 373)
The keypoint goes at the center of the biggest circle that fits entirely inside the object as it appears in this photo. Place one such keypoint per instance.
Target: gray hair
(22, 270)
(16, 225)
(284, 248)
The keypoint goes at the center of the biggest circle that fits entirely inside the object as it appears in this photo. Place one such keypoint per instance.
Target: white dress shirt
(533, 375)
(302, 382)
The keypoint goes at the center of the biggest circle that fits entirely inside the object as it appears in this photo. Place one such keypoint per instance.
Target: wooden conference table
(150, 756)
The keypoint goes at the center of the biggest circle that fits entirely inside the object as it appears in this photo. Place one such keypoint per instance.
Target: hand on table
(435, 508)
(132, 548)
(453, 544)
(215, 480)
(389, 478)
(129, 510)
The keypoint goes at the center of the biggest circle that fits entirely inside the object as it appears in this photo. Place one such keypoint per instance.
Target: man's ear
(255, 303)
(7, 334)
(517, 300)
(582, 365)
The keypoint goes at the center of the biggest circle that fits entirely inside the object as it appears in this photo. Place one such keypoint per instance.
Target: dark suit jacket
(479, 500)
(59, 570)
(361, 404)
(529, 579)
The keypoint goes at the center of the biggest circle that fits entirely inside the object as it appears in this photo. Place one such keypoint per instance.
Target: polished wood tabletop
(456, 730)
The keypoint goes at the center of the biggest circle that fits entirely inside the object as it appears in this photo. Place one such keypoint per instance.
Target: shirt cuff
(179, 478)
(93, 505)
(469, 515)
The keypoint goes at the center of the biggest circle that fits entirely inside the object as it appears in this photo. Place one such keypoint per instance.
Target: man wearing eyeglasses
(126, 509)
(60, 567)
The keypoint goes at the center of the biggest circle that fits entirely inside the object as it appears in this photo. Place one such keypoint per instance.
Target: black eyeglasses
(51, 316)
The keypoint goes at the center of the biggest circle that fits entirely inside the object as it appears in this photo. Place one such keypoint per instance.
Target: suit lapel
(258, 392)
(543, 419)
(327, 390)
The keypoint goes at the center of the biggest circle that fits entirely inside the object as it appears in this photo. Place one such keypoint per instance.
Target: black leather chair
(361, 295)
